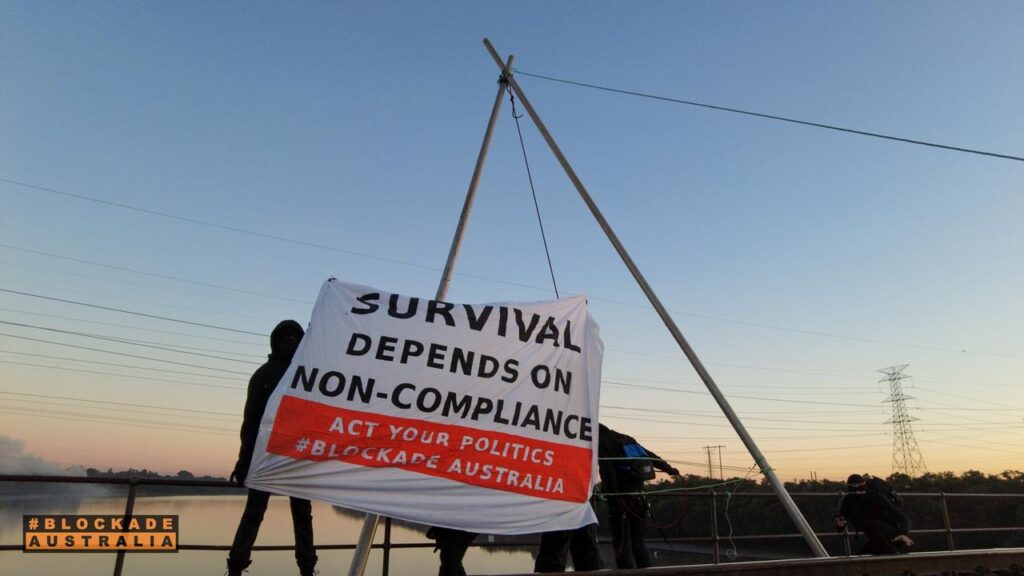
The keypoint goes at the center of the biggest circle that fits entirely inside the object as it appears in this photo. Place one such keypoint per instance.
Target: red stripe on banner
(307, 430)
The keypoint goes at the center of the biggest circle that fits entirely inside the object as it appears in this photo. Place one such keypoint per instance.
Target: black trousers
(453, 545)
(555, 546)
(249, 527)
(628, 515)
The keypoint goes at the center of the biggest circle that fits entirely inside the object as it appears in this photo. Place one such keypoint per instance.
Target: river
(212, 520)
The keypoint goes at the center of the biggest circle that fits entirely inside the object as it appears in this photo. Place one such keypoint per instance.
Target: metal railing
(386, 546)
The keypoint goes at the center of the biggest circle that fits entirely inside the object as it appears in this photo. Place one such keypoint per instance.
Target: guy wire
(529, 176)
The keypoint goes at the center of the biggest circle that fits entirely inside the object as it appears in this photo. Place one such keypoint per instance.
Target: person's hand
(903, 539)
(238, 475)
(840, 521)
(674, 471)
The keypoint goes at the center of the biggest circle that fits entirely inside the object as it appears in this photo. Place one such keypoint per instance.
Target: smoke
(14, 460)
(38, 497)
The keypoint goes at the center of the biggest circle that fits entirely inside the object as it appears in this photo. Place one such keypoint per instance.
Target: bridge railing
(713, 539)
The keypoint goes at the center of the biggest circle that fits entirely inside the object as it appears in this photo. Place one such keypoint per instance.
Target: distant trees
(144, 473)
(688, 513)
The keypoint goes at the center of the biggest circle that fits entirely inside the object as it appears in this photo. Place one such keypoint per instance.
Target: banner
(476, 417)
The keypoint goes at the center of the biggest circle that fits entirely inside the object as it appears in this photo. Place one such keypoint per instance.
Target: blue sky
(355, 126)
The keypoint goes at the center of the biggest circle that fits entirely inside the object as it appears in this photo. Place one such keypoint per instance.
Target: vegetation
(749, 508)
(165, 490)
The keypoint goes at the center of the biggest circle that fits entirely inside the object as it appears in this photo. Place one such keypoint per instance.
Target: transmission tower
(906, 456)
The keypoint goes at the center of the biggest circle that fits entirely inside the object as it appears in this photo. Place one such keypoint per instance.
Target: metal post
(748, 441)
(715, 541)
(946, 523)
(362, 551)
(846, 531)
(129, 509)
(386, 563)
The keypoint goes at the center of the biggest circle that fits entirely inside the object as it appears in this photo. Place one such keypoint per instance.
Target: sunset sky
(195, 163)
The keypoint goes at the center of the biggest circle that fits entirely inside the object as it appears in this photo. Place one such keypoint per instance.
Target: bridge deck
(1003, 562)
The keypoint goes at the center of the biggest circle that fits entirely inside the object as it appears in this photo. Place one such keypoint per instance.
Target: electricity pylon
(906, 456)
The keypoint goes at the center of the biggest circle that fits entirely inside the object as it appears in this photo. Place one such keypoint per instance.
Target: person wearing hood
(284, 340)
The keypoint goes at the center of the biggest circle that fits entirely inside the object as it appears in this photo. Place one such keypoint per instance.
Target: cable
(128, 376)
(63, 289)
(764, 399)
(742, 396)
(122, 354)
(153, 274)
(119, 412)
(772, 117)
(719, 415)
(121, 282)
(115, 325)
(529, 175)
(255, 233)
(518, 284)
(126, 341)
(65, 416)
(142, 343)
(112, 403)
(148, 369)
(190, 323)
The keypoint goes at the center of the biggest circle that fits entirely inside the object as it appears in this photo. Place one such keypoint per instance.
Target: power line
(741, 366)
(152, 274)
(140, 343)
(255, 233)
(97, 306)
(719, 415)
(711, 425)
(62, 288)
(773, 117)
(506, 282)
(143, 343)
(79, 417)
(120, 411)
(258, 334)
(115, 325)
(814, 402)
(122, 354)
(121, 282)
(148, 369)
(113, 403)
(127, 376)
(765, 399)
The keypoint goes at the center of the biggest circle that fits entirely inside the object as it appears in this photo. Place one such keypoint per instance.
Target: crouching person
(870, 506)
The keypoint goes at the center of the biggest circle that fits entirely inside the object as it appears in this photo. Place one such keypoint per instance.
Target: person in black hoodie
(627, 505)
(284, 340)
(886, 527)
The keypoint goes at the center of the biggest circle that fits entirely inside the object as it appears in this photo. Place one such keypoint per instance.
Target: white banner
(477, 417)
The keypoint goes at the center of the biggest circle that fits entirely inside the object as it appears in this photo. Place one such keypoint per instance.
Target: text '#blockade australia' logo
(100, 533)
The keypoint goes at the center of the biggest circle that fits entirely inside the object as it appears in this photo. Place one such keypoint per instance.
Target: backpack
(878, 488)
(639, 468)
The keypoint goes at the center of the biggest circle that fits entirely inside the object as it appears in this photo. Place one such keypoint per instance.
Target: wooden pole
(748, 441)
(362, 551)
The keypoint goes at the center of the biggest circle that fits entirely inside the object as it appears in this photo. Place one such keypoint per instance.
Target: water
(212, 520)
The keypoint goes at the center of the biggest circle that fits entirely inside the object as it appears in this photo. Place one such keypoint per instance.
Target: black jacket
(609, 455)
(283, 342)
(874, 515)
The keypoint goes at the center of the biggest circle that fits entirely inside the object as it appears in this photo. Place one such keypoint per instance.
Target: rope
(733, 552)
(774, 117)
(677, 489)
(529, 175)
